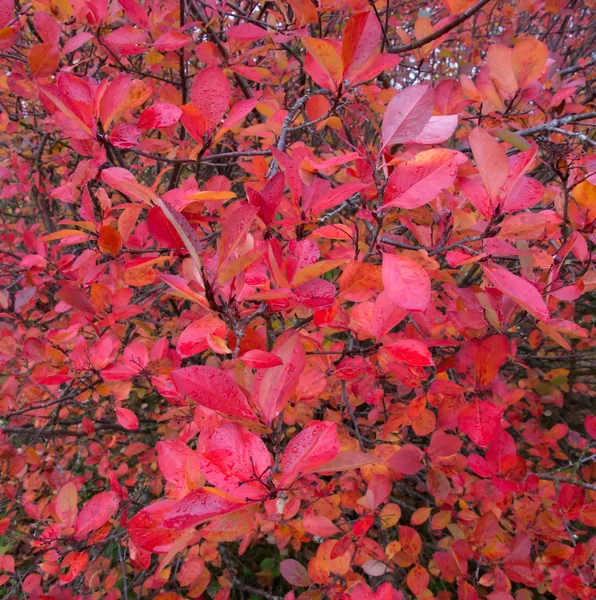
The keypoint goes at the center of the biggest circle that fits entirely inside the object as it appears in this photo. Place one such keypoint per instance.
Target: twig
(439, 32)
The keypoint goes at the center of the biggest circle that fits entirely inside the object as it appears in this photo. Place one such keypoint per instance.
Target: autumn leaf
(406, 114)
(519, 290)
(96, 512)
(406, 282)
(480, 420)
(315, 445)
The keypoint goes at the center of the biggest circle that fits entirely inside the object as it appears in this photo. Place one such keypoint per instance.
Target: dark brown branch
(440, 32)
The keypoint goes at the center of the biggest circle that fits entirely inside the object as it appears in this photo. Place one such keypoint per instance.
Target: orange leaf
(44, 60)
(109, 240)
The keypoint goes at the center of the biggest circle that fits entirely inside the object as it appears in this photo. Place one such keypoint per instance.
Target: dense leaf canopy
(297, 299)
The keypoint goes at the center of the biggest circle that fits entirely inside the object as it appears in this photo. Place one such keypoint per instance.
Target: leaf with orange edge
(66, 504)
(416, 182)
(323, 62)
(109, 240)
(96, 512)
(528, 59)
(44, 60)
(491, 161)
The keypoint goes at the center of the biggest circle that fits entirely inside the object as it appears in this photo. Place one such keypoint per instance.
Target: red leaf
(146, 530)
(162, 230)
(74, 563)
(177, 462)
(96, 512)
(214, 389)
(490, 357)
(406, 114)
(198, 507)
(314, 446)
(481, 421)
(360, 41)
(273, 387)
(127, 419)
(411, 352)
(211, 95)
(247, 32)
(420, 180)
(159, 115)
(124, 135)
(407, 460)
(259, 359)
(406, 283)
(590, 425)
(234, 460)
(519, 290)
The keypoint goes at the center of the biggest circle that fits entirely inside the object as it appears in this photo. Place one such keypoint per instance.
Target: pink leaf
(320, 526)
(233, 459)
(259, 359)
(96, 512)
(491, 161)
(346, 461)
(172, 40)
(406, 283)
(6, 10)
(336, 196)
(177, 462)
(211, 95)
(273, 387)
(407, 460)
(438, 130)
(315, 445)
(127, 419)
(481, 421)
(247, 32)
(294, 573)
(406, 114)
(519, 290)
(198, 507)
(159, 115)
(214, 389)
(124, 135)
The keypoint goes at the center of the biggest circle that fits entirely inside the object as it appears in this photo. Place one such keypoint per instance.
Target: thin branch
(440, 32)
(556, 478)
